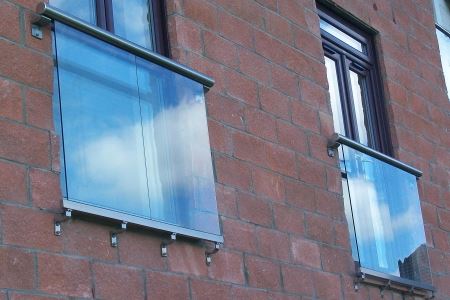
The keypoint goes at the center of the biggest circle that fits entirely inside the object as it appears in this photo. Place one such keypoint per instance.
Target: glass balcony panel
(135, 135)
(387, 218)
(82, 9)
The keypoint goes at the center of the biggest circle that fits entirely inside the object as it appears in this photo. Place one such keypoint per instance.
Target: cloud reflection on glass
(385, 211)
(135, 135)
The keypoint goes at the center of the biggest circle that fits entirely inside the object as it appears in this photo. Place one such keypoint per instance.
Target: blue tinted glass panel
(82, 9)
(387, 218)
(135, 136)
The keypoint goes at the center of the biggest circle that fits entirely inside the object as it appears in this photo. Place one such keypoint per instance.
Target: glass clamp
(210, 252)
(65, 216)
(114, 234)
(166, 243)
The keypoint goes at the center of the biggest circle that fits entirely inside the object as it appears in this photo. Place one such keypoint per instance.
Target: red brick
(15, 63)
(10, 100)
(232, 172)
(275, 103)
(292, 137)
(236, 29)
(444, 219)
(117, 282)
(139, 249)
(161, 286)
(298, 280)
(305, 252)
(295, 11)
(318, 148)
(279, 27)
(184, 33)
(441, 239)
(439, 261)
(330, 204)
(55, 152)
(16, 269)
(9, 21)
(312, 21)
(273, 243)
(220, 137)
(64, 275)
(247, 293)
(23, 296)
(312, 45)
(305, 116)
(239, 235)
(220, 50)
(326, 124)
(336, 260)
(272, 156)
(327, 285)
(342, 235)
(45, 189)
(319, 228)
(226, 110)
(246, 10)
(268, 184)
(289, 219)
(300, 195)
(334, 180)
(24, 144)
(187, 258)
(226, 201)
(311, 171)
(89, 239)
(262, 273)
(209, 290)
(254, 210)
(254, 66)
(209, 67)
(39, 109)
(261, 124)
(241, 87)
(228, 267)
(429, 214)
(284, 81)
(29, 228)
(201, 12)
(13, 182)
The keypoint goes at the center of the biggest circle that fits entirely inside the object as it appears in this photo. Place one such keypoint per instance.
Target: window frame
(348, 59)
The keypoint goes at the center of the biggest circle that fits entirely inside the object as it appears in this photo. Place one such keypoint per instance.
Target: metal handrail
(46, 12)
(337, 139)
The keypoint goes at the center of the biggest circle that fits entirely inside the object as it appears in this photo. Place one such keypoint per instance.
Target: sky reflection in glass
(135, 135)
(387, 217)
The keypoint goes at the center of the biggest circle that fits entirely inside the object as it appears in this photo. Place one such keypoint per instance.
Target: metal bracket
(114, 234)
(385, 287)
(165, 243)
(65, 216)
(210, 252)
(37, 23)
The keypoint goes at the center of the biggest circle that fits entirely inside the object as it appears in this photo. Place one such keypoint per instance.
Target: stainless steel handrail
(337, 139)
(46, 11)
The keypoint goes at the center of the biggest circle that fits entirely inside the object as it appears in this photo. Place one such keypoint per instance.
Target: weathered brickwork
(278, 193)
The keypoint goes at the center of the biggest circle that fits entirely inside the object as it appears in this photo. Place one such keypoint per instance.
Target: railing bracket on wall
(65, 216)
(165, 243)
(36, 26)
(210, 252)
(114, 234)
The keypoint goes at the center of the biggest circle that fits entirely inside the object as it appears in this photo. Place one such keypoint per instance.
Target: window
(135, 144)
(381, 199)
(354, 85)
(146, 29)
(442, 16)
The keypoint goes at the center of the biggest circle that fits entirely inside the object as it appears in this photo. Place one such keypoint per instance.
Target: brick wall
(279, 194)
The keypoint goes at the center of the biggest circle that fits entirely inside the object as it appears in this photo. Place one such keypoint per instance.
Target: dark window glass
(139, 21)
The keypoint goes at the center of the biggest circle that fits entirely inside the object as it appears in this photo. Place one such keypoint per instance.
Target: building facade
(292, 216)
